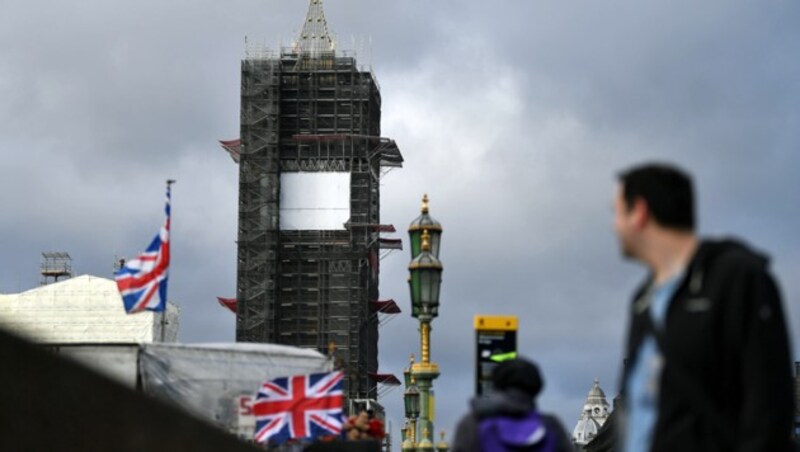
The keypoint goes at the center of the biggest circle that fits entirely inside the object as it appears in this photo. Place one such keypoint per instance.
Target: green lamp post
(442, 445)
(424, 281)
(406, 430)
(411, 401)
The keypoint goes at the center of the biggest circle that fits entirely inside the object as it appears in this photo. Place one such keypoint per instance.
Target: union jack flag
(302, 406)
(142, 281)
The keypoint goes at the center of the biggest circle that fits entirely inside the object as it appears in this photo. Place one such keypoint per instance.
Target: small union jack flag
(142, 282)
(302, 406)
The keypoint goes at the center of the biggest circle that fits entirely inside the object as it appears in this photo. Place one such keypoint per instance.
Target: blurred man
(709, 366)
(507, 418)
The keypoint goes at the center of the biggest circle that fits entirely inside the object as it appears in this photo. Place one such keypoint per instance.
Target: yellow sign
(496, 322)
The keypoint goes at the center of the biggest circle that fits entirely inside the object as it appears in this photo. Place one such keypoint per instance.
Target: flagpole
(166, 303)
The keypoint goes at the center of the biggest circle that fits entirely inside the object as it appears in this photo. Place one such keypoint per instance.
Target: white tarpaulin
(218, 381)
(314, 200)
(81, 310)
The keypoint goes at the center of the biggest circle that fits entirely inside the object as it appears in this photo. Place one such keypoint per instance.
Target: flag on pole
(142, 281)
(299, 407)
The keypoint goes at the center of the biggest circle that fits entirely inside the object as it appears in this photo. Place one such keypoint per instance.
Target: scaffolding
(311, 109)
(55, 266)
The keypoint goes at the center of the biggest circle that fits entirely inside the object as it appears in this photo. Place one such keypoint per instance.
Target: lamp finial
(425, 203)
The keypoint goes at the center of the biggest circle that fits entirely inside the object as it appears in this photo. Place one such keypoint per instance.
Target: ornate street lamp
(442, 445)
(420, 224)
(411, 401)
(424, 281)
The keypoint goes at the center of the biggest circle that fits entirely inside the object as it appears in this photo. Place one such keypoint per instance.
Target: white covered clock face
(314, 200)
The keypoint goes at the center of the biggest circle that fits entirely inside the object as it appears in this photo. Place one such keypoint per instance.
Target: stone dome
(594, 414)
(596, 404)
(585, 430)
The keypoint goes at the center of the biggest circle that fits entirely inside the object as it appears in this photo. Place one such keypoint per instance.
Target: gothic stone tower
(310, 163)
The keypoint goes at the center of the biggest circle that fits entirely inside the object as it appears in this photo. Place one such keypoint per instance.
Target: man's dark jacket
(726, 384)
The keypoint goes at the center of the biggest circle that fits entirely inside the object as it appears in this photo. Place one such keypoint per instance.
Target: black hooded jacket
(726, 384)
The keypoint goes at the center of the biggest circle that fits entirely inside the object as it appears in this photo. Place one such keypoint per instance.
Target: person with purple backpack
(507, 418)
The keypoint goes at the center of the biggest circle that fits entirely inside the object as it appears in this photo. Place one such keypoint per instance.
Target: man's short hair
(666, 189)
(519, 374)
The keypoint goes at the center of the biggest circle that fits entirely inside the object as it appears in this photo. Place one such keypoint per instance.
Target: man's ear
(640, 212)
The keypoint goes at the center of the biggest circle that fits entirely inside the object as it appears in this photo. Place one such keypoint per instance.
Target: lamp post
(411, 400)
(405, 431)
(424, 281)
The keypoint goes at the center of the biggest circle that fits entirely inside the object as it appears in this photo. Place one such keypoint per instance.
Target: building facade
(310, 161)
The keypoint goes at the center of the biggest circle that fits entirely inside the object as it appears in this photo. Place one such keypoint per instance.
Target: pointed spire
(315, 37)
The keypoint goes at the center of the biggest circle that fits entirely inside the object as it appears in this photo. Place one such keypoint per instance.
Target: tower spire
(314, 37)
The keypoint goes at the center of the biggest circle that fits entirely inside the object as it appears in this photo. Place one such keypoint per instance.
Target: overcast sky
(514, 116)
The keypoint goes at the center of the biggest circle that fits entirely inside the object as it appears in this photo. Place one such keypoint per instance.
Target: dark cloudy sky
(512, 115)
